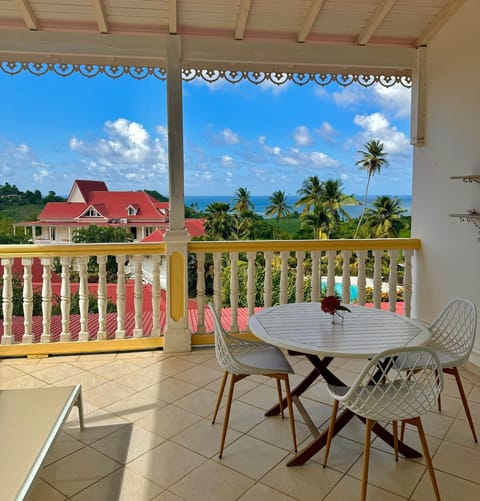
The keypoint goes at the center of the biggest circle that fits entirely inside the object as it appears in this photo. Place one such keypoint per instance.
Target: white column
(361, 279)
(7, 302)
(407, 282)
(234, 290)
(346, 255)
(120, 332)
(284, 255)
(392, 280)
(46, 336)
(65, 299)
(27, 300)
(156, 296)
(300, 279)
(251, 282)
(377, 277)
(267, 285)
(138, 296)
(102, 298)
(83, 298)
(417, 106)
(331, 259)
(201, 293)
(316, 282)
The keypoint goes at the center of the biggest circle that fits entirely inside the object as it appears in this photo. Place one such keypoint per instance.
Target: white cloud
(327, 131)
(376, 126)
(227, 136)
(302, 136)
(349, 96)
(395, 99)
(227, 161)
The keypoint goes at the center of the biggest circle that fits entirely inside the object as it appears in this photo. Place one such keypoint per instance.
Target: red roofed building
(90, 202)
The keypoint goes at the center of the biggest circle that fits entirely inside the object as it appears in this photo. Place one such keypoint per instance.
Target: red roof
(85, 187)
(193, 226)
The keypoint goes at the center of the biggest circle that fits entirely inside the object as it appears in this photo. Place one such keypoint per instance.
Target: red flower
(330, 304)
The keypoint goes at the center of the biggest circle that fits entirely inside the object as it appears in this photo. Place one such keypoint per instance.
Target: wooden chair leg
(331, 430)
(439, 400)
(370, 423)
(458, 379)
(233, 380)
(402, 430)
(426, 454)
(280, 398)
(220, 395)
(395, 438)
(290, 412)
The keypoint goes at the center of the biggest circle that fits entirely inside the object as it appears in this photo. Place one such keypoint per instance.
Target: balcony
(143, 409)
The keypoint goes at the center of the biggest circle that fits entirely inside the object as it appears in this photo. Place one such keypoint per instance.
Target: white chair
(388, 391)
(242, 358)
(453, 336)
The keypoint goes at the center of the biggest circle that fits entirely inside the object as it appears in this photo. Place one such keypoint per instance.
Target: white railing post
(138, 296)
(300, 277)
(121, 297)
(27, 300)
(267, 284)
(7, 302)
(46, 336)
(251, 282)
(392, 280)
(201, 292)
(346, 255)
(65, 299)
(407, 282)
(102, 298)
(217, 282)
(377, 277)
(234, 291)
(331, 261)
(361, 276)
(156, 296)
(316, 276)
(284, 255)
(82, 262)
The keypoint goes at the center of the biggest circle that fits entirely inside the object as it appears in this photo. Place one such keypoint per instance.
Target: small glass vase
(337, 318)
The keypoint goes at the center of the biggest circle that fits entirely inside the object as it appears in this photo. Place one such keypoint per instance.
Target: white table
(302, 328)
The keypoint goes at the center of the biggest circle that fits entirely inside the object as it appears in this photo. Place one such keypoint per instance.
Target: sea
(260, 202)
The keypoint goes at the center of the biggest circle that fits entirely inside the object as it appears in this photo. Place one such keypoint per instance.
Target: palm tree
(242, 201)
(384, 219)
(373, 159)
(310, 193)
(217, 221)
(278, 208)
(335, 200)
(318, 219)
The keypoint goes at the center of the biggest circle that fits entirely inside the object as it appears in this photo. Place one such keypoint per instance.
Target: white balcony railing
(57, 299)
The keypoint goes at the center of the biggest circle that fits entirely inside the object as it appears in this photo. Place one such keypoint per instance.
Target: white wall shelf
(472, 215)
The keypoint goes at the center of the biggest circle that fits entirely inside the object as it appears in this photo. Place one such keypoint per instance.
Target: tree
(384, 219)
(318, 219)
(373, 159)
(217, 221)
(242, 202)
(278, 208)
(310, 193)
(335, 200)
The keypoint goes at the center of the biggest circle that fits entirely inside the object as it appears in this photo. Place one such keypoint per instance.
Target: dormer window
(91, 212)
(132, 211)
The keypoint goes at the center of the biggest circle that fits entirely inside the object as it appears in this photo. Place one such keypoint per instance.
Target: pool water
(338, 290)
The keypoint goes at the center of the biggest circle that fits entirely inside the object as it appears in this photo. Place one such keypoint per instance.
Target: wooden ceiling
(137, 29)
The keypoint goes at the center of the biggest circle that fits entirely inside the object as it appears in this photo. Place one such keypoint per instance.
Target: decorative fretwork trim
(209, 75)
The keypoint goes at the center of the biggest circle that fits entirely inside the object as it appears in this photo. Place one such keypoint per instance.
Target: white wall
(449, 262)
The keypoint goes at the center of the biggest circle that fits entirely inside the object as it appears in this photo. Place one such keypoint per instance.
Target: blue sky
(262, 137)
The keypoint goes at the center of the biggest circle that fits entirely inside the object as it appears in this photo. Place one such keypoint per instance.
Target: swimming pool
(338, 290)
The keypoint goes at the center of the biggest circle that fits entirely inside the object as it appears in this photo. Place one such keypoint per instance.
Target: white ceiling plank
(101, 15)
(172, 17)
(242, 18)
(310, 18)
(442, 18)
(374, 22)
(28, 15)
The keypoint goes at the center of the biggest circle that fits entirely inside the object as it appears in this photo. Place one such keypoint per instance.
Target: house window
(91, 212)
(148, 231)
(132, 211)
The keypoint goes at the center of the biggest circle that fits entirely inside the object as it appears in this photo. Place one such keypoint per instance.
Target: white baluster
(65, 301)
(361, 279)
(377, 277)
(201, 293)
(346, 255)
(331, 258)
(392, 280)
(234, 291)
(316, 277)
(121, 297)
(138, 296)
(27, 300)
(217, 281)
(407, 282)
(46, 336)
(82, 261)
(251, 283)
(102, 298)
(300, 277)
(7, 303)
(284, 255)
(267, 284)
(156, 296)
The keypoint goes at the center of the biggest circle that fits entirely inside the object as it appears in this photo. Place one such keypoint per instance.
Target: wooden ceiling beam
(375, 21)
(442, 18)
(242, 18)
(28, 15)
(101, 15)
(172, 17)
(310, 18)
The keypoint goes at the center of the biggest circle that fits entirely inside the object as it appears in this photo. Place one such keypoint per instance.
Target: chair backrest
(387, 389)
(453, 331)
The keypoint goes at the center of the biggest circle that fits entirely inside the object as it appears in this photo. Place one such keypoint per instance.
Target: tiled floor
(149, 436)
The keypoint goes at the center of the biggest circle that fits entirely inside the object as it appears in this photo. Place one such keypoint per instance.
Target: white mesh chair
(453, 336)
(242, 358)
(387, 391)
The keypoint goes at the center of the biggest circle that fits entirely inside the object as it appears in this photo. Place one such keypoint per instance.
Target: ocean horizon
(260, 202)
